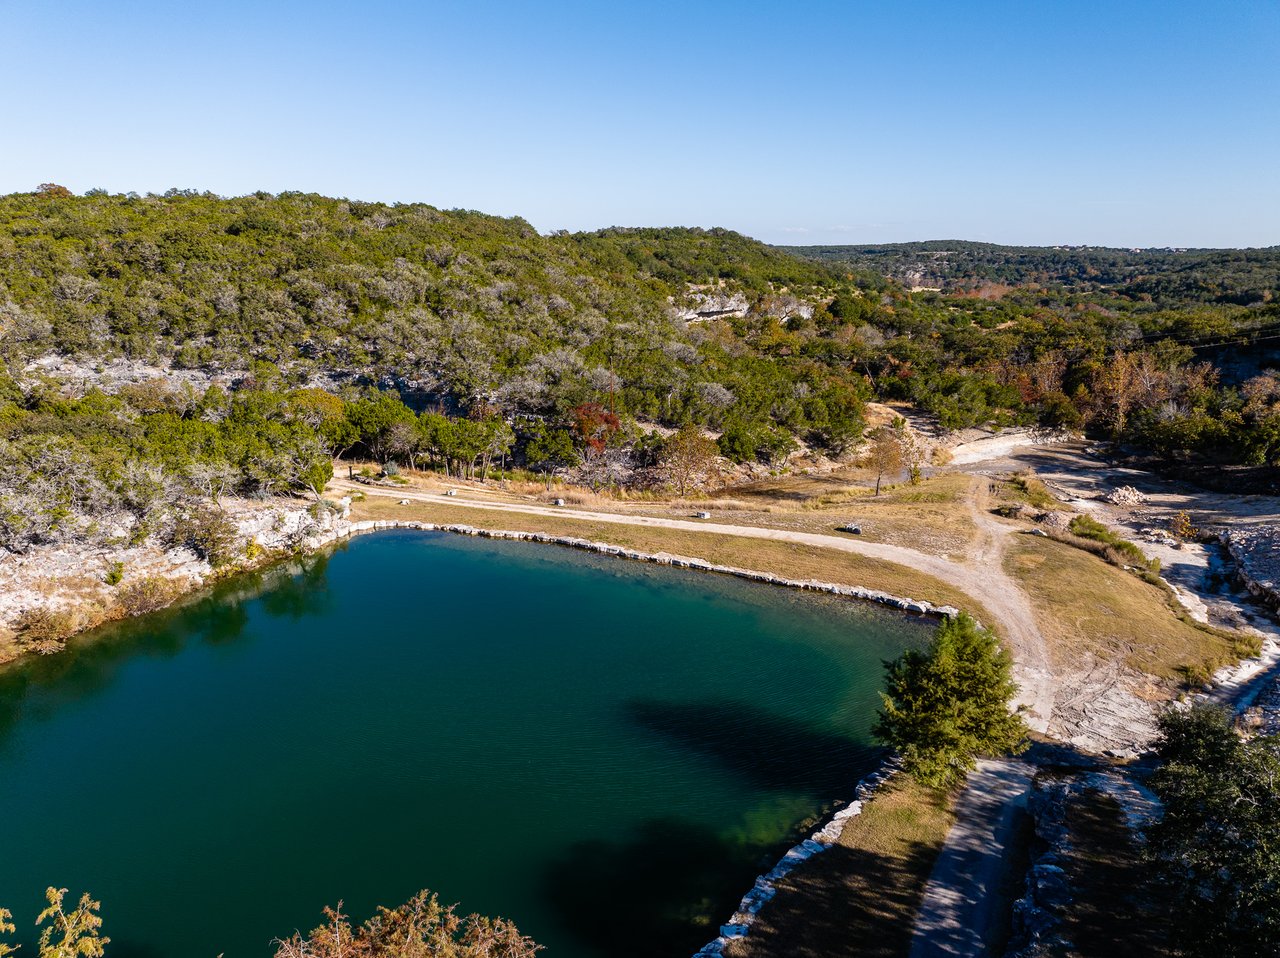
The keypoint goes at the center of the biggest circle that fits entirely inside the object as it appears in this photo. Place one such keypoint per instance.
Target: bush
(949, 703)
(43, 628)
(1033, 492)
(208, 533)
(148, 594)
(115, 573)
(1117, 551)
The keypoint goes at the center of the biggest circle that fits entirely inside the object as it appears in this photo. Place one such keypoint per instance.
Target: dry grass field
(1088, 606)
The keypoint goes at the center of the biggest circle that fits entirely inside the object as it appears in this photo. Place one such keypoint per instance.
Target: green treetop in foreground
(949, 703)
(1217, 848)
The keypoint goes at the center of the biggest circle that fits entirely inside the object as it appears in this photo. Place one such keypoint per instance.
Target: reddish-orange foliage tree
(594, 426)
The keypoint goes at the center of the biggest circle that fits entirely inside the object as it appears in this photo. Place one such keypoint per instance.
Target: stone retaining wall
(1256, 551)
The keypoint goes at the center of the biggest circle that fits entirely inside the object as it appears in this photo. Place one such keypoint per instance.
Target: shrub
(44, 628)
(1117, 551)
(1194, 675)
(148, 594)
(208, 533)
(1033, 491)
(1180, 527)
(115, 573)
(421, 928)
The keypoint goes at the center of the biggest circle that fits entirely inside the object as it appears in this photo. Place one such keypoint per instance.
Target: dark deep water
(602, 751)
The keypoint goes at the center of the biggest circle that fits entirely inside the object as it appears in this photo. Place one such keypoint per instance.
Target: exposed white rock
(1126, 496)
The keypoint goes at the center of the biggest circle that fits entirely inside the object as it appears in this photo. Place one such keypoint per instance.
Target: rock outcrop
(700, 306)
(79, 582)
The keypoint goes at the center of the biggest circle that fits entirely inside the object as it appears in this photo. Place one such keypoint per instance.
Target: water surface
(605, 752)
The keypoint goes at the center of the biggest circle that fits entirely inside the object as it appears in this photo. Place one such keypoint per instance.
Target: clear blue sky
(1030, 121)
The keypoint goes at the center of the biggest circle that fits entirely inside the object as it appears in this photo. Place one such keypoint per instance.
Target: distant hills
(1240, 276)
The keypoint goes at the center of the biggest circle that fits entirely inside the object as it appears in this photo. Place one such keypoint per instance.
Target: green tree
(549, 449)
(1217, 848)
(372, 419)
(949, 703)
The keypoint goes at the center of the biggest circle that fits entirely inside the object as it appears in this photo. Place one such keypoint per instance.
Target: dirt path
(1033, 669)
(962, 908)
(999, 595)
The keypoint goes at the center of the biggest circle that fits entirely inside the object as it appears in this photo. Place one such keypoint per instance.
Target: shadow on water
(666, 889)
(652, 894)
(769, 751)
(218, 616)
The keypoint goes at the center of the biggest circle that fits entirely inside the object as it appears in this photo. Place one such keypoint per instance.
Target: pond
(605, 752)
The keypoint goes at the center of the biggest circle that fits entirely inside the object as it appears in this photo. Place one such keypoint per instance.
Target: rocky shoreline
(762, 892)
(81, 586)
(1255, 550)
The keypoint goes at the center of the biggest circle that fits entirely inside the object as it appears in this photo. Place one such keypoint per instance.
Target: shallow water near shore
(605, 752)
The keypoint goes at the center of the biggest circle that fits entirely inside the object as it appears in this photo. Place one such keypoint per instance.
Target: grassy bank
(1089, 607)
(860, 897)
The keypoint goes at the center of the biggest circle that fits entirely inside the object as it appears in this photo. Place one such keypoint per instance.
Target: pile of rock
(1056, 519)
(1125, 496)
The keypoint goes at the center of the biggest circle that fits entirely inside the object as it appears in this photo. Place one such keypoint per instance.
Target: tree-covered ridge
(467, 309)
(677, 256)
(1239, 276)
(482, 317)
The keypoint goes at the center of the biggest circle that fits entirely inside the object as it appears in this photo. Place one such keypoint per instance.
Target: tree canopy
(949, 703)
(1217, 846)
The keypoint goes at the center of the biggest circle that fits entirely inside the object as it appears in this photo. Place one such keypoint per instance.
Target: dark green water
(604, 751)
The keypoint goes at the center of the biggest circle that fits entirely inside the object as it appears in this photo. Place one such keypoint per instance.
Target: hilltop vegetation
(460, 307)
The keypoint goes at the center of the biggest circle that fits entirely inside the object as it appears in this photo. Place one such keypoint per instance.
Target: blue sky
(1124, 122)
